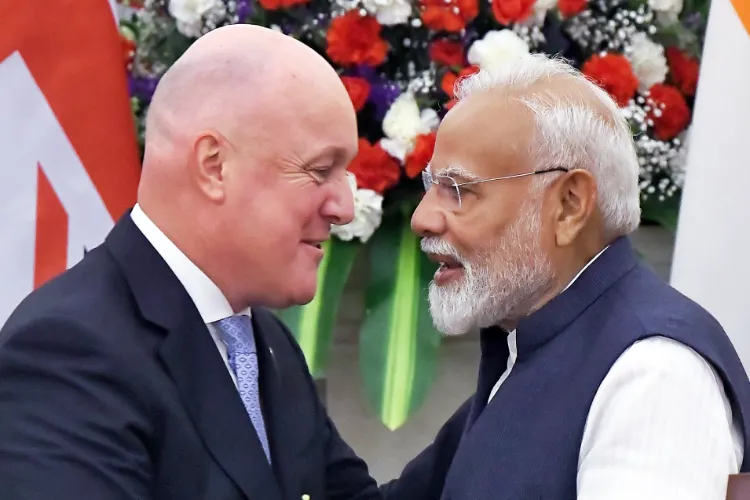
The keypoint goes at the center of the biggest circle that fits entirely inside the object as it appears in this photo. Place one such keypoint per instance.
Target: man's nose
(427, 220)
(339, 206)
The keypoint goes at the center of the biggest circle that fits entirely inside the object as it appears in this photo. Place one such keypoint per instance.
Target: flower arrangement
(399, 60)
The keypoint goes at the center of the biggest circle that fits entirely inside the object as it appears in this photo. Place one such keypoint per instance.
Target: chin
(304, 292)
(285, 298)
(303, 299)
(297, 285)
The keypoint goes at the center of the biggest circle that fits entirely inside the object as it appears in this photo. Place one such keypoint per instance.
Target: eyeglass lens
(445, 187)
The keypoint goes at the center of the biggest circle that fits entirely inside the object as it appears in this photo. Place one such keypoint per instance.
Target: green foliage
(313, 323)
(398, 344)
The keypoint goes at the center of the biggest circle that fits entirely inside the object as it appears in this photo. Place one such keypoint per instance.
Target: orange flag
(70, 164)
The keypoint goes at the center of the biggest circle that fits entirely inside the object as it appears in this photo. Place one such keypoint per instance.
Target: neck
(189, 239)
(568, 264)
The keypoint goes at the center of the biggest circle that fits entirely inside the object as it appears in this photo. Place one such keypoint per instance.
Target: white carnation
(368, 213)
(189, 14)
(541, 7)
(672, 7)
(648, 61)
(389, 12)
(496, 49)
(403, 122)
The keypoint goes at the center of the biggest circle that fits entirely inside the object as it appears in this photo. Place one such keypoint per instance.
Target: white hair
(504, 281)
(571, 133)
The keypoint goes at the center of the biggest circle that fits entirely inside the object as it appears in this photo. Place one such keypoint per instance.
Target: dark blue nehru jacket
(524, 445)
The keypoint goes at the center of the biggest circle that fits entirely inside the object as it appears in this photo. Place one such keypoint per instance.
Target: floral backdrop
(399, 60)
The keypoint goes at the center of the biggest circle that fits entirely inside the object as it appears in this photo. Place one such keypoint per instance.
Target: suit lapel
(216, 409)
(277, 413)
(194, 364)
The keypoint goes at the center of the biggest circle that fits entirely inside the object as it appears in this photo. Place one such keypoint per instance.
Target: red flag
(70, 163)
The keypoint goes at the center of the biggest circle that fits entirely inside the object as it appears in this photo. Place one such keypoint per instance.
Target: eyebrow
(456, 170)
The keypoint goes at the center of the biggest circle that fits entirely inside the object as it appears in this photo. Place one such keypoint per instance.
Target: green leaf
(665, 212)
(312, 324)
(398, 343)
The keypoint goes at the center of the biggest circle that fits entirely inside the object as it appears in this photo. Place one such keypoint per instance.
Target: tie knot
(237, 334)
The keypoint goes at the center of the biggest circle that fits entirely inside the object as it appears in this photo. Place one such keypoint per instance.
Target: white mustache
(441, 247)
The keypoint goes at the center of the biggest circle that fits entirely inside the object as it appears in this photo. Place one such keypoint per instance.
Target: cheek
(290, 215)
(476, 235)
(302, 207)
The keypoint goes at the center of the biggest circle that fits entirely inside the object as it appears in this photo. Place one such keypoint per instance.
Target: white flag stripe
(712, 250)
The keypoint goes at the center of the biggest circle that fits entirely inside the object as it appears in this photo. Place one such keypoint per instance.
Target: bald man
(152, 369)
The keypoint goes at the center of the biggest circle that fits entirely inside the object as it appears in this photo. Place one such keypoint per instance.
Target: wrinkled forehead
(484, 136)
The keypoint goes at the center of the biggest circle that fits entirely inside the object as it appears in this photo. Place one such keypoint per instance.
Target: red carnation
(417, 160)
(281, 4)
(359, 90)
(675, 114)
(447, 53)
(684, 70)
(569, 8)
(355, 39)
(450, 78)
(374, 168)
(133, 4)
(512, 11)
(448, 15)
(613, 73)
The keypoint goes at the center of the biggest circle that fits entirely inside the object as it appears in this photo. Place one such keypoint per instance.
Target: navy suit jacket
(111, 388)
(423, 477)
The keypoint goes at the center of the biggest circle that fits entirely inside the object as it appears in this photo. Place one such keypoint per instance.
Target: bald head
(228, 79)
(248, 137)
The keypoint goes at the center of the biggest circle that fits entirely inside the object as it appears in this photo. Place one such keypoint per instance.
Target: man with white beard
(597, 379)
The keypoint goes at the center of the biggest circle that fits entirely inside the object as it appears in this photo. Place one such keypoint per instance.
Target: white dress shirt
(208, 299)
(659, 428)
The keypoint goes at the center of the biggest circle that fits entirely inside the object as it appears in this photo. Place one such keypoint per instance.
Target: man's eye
(321, 173)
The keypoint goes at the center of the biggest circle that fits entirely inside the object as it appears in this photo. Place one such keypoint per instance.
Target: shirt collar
(584, 267)
(512, 335)
(207, 297)
(538, 328)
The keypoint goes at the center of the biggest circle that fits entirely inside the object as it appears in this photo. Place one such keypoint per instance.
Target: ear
(210, 157)
(575, 201)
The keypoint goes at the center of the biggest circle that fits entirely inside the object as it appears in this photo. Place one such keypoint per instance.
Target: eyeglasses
(449, 191)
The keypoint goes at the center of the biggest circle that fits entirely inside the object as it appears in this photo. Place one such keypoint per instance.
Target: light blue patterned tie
(237, 334)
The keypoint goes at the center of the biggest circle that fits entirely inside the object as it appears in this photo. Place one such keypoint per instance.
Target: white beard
(505, 281)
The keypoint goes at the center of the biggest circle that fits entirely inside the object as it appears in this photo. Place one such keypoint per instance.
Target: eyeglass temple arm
(547, 170)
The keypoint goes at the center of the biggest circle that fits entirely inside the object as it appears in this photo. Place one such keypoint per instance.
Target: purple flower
(382, 91)
(364, 71)
(142, 87)
(244, 9)
(382, 96)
